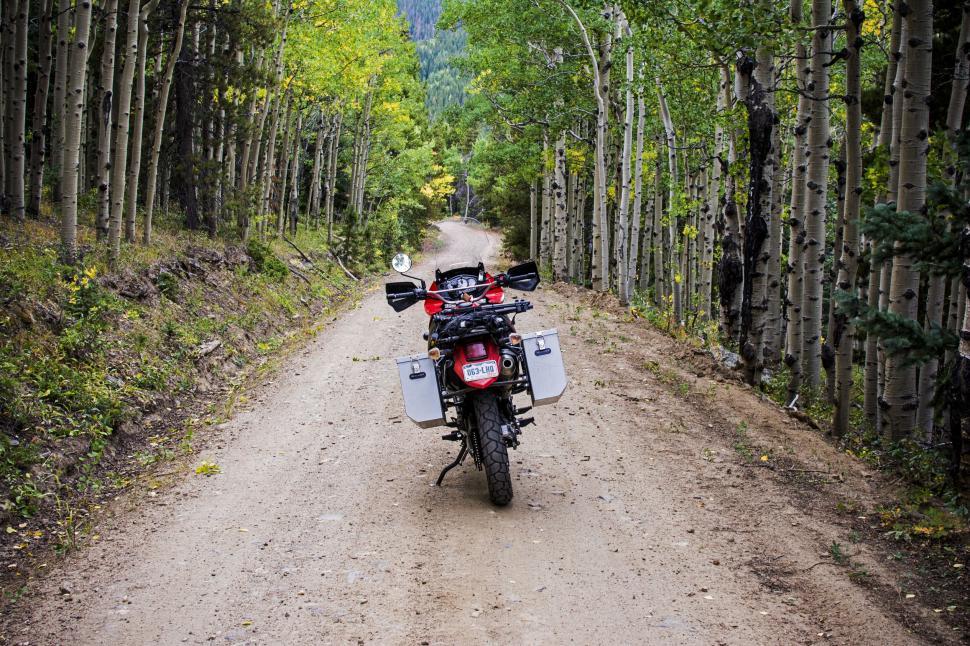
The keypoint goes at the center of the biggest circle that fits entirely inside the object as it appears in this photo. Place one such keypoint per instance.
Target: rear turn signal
(515, 338)
(434, 354)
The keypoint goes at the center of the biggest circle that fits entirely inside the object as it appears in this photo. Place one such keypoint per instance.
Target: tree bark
(184, 171)
(295, 175)
(314, 196)
(819, 143)
(119, 162)
(796, 267)
(545, 213)
(332, 181)
(637, 214)
(656, 234)
(936, 290)
(60, 93)
(105, 100)
(38, 138)
(673, 259)
(73, 110)
(138, 124)
(533, 221)
(165, 85)
(709, 214)
(899, 400)
(754, 304)
(843, 338)
(731, 277)
(621, 232)
(560, 269)
(15, 134)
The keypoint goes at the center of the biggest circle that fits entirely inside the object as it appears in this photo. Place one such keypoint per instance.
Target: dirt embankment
(108, 376)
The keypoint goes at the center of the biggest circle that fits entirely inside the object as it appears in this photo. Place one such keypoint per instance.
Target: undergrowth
(929, 509)
(85, 352)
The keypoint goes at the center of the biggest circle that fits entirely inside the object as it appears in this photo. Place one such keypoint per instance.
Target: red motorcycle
(476, 363)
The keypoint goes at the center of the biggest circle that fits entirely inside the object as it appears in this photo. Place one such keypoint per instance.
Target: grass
(79, 358)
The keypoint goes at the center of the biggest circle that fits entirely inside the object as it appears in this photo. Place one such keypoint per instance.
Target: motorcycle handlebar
(515, 307)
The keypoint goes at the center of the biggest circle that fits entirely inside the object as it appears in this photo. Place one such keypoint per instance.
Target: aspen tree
(105, 101)
(900, 395)
(73, 110)
(38, 137)
(844, 337)
(620, 235)
(165, 85)
(818, 152)
(138, 125)
(560, 270)
(637, 213)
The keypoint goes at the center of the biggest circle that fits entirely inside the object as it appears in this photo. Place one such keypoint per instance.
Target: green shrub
(265, 261)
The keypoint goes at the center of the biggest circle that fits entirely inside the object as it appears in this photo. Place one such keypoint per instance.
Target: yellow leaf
(208, 468)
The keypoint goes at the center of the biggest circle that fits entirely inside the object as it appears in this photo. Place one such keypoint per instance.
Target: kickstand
(461, 456)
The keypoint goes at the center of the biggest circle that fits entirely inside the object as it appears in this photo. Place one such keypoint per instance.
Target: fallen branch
(319, 271)
(298, 275)
(340, 262)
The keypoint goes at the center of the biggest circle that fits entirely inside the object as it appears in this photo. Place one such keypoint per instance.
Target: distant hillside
(446, 86)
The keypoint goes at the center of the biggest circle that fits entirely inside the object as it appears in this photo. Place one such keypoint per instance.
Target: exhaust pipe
(510, 365)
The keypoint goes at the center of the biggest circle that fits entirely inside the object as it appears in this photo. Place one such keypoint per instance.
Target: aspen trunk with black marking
(165, 86)
(843, 337)
(637, 213)
(105, 100)
(900, 395)
(73, 111)
(621, 230)
(560, 268)
(818, 151)
(38, 138)
(796, 221)
(138, 124)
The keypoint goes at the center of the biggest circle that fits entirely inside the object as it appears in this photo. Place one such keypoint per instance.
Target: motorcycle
(476, 364)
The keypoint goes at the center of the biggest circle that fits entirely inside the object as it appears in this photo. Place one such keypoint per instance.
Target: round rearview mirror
(401, 263)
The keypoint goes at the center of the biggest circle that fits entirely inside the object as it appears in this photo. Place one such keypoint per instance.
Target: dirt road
(635, 520)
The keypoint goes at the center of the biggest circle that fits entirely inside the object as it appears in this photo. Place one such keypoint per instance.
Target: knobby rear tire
(495, 454)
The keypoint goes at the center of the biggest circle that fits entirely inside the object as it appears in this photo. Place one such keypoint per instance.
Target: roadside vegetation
(106, 373)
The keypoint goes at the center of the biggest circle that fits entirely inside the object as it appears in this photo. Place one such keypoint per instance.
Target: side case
(419, 384)
(543, 362)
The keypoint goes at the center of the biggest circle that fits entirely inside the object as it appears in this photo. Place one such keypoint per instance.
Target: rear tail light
(475, 351)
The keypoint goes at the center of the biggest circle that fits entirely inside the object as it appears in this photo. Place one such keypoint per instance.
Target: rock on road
(323, 526)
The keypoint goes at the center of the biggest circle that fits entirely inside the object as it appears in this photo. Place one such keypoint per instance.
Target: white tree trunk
(560, 269)
(637, 214)
(900, 395)
(165, 85)
(673, 261)
(621, 232)
(844, 337)
(38, 142)
(819, 143)
(73, 110)
(138, 124)
(105, 101)
(119, 162)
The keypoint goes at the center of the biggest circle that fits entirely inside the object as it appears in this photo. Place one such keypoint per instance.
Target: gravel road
(632, 520)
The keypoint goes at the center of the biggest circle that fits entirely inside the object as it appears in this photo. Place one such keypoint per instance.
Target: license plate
(480, 371)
